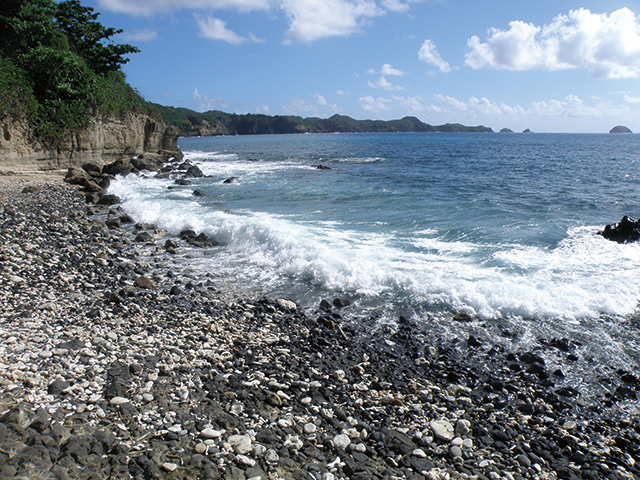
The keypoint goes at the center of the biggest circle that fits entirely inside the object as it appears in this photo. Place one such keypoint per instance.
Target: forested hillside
(215, 122)
(60, 68)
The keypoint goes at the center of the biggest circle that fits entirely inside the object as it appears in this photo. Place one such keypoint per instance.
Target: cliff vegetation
(60, 68)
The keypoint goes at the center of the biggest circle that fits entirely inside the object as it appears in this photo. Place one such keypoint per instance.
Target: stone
(442, 429)
(341, 302)
(286, 304)
(463, 427)
(231, 180)
(211, 433)
(200, 448)
(117, 401)
(144, 282)
(341, 441)
(169, 466)
(241, 444)
(57, 387)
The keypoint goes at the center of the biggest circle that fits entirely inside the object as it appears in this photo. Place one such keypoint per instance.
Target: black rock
(194, 172)
(625, 231)
(473, 341)
(109, 199)
(199, 193)
(145, 237)
(57, 386)
(183, 182)
(232, 180)
(202, 240)
(341, 302)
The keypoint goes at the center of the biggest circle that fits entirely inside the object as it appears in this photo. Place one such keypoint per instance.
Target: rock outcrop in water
(625, 231)
(620, 129)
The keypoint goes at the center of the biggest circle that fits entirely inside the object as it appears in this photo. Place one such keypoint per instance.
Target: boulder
(202, 240)
(119, 167)
(194, 172)
(625, 231)
(109, 199)
(232, 180)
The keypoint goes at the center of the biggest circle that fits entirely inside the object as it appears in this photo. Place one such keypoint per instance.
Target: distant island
(620, 129)
(214, 122)
(526, 130)
(506, 130)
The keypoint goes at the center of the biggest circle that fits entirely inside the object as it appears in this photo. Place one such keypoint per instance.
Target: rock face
(625, 231)
(107, 139)
(620, 129)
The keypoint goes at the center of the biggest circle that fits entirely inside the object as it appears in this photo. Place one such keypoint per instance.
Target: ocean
(502, 227)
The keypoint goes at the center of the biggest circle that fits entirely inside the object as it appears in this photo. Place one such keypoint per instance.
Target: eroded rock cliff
(107, 139)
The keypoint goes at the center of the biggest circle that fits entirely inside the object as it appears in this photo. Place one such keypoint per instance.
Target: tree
(86, 37)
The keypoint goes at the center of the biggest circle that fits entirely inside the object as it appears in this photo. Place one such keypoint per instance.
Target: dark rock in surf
(625, 231)
(119, 167)
(194, 172)
(322, 167)
(202, 240)
(341, 302)
(232, 180)
(109, 199)
(199, 193)
(183, 182)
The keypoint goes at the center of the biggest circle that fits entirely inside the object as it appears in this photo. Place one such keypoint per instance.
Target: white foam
(585, 276)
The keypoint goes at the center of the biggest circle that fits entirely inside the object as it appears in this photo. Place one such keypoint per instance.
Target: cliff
(107, 139)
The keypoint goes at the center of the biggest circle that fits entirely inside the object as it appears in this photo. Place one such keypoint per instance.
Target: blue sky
(561, 66)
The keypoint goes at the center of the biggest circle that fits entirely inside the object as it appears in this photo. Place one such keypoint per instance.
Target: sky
(550, 66)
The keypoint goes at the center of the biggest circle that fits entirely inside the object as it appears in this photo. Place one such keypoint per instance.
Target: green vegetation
(215, 122)
(59, 68)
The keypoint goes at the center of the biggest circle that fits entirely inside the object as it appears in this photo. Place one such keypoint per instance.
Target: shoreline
(119, 364)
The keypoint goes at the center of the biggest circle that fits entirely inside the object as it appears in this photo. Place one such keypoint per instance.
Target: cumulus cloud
(384, 84)
(319, 105)
(387, 69)
(631, 99)
(608, 46)
(428, 53)
(140, 36)
(311, 20)
(374, 105)
(216, 29)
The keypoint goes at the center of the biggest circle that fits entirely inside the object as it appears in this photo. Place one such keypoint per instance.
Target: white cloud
(384, 84)
(309, 20)
(315, 19)
(140, 35)
(374, 105)
(152, 7)
(320, 105)
(262, 109)
(387, 69)
(342, 92)
(256, 39)
(428, 53)
(216, 29)
(395, 6)
(631, 99)
(206, 103)
(608, 46)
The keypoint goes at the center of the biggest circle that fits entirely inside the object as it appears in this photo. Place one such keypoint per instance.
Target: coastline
(119, 363)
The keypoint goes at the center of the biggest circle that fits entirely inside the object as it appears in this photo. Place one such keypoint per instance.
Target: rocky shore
(118, 364)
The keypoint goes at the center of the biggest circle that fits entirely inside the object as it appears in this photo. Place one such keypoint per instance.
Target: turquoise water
(500, 226)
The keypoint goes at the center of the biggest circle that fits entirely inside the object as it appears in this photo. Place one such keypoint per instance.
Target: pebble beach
(120, 362)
